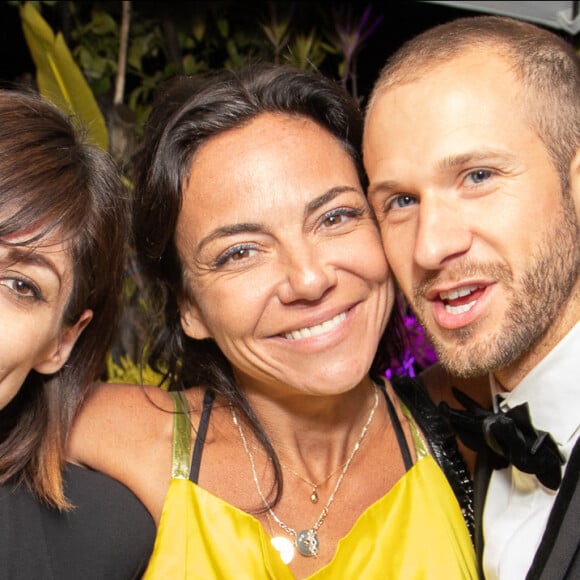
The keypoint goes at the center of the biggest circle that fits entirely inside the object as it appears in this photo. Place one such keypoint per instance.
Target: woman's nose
(306, 275)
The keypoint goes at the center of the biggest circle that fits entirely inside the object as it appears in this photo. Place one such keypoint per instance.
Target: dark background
(400, 21)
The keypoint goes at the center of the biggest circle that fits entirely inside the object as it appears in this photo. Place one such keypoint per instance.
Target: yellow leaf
(59, 78)
(127, 371)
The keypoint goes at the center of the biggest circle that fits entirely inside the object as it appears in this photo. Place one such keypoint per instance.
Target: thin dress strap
(401, 439)
(181, 436)
(201, 433)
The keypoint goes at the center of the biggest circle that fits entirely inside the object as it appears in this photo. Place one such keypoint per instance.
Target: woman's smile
(317, 329)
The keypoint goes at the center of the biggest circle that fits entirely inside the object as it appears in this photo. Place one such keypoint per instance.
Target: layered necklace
(306, 541)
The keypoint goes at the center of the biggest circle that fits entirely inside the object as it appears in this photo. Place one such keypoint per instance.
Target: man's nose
(442, 233)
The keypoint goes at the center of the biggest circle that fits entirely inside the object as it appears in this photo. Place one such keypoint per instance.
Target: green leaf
(102, 24)
(59, 78)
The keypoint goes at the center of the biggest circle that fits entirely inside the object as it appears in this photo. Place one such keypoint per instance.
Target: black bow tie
(510, 436)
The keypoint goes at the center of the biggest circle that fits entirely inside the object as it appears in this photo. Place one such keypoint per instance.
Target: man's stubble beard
(537, 298)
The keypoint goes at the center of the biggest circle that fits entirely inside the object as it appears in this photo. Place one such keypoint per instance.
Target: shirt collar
(551, 389)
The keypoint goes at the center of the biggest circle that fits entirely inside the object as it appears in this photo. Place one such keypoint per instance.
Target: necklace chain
(306, 541)
(314, 492)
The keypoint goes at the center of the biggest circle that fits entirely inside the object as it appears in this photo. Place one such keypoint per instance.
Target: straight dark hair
(49, 177)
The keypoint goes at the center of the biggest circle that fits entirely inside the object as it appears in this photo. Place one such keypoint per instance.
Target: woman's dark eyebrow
(230, 230)
(319, 201)
(23, 255)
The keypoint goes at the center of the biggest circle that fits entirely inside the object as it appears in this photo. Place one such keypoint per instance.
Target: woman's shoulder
(118, 419)
(127, 415)
(124, 396)
(120, 408)
(131, 412)
(126, 431)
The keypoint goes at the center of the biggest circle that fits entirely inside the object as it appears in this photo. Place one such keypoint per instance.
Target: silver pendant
(307, 543)
(314, 495)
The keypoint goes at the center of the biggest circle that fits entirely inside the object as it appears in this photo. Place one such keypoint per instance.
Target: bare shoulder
(119, 424)
(439, 382)
(115, 409)
(126, 431)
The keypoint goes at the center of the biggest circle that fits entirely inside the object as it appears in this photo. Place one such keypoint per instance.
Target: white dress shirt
(517, 506)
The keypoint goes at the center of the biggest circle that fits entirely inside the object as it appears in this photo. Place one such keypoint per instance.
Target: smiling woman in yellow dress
(288, 454)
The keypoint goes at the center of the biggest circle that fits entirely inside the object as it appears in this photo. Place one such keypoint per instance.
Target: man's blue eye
(480, 175)
(402, 201)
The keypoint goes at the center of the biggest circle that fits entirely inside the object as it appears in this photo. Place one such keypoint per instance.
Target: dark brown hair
(50, 177)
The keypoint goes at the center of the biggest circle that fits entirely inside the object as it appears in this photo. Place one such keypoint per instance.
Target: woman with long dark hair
(287, 453)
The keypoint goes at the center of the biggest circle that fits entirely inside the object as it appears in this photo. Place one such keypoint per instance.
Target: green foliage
(127, 371)
(308, 51)
(97, 44)
(192, 37)
(58, 76)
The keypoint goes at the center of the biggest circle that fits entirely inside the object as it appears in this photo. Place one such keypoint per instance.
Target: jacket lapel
(558, 555)
(480, 485)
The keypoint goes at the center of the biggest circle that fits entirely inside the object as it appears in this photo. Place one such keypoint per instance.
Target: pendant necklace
(306, 541)
(314, 491)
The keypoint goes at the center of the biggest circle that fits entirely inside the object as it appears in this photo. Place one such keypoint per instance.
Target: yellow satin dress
(416, 531)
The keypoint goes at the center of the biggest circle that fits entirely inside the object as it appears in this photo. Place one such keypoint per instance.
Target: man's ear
(60, 351)
(192, 321)
(575, 182)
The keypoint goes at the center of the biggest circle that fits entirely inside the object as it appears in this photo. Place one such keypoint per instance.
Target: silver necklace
(306, 541)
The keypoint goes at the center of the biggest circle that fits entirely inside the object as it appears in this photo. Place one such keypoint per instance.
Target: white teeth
(459, 309)
(457, 293)
(316, 330)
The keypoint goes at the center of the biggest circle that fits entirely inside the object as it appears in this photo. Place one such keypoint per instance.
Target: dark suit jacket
(558, 556)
